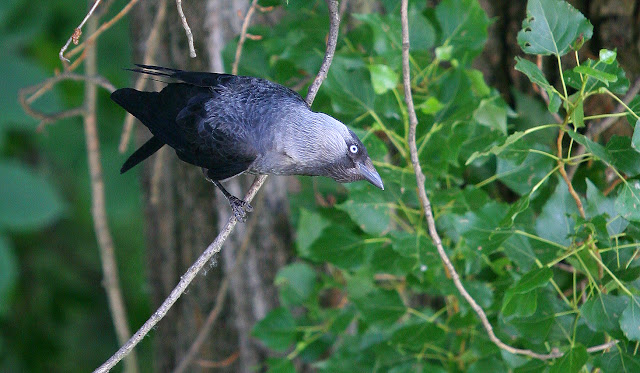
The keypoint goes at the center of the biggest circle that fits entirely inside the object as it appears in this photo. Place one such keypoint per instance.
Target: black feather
(145, 151)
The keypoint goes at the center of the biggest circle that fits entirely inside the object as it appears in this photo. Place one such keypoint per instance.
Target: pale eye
(353, 149)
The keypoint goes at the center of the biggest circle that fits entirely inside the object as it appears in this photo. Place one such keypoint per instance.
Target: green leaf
(596, 75)
(536, 76)
(602, 312)
(280, 365)
(533, 280)
(623, 156)
(464, 26)
(339, 246)
(368, 209)
(430, 106)
(607, 56)
(552, 27)
(578, 115)
(519, 305)
(415, 335)
(635, 140)
(617, 360)
(630, 319)
(628, 201)
(555, 222)
(593, 147)
(493, 114)
(598, 204)
(277, 330)
(497, 149)
(522, 175)
(8, 274)
(521, 299)
(383, 78)
(27, 200)
(296, 282)
(310, 227)
(572, 361)
(380, 307)
(480, 228)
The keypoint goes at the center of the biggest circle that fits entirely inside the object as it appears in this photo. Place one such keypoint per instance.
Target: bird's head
(340, 153)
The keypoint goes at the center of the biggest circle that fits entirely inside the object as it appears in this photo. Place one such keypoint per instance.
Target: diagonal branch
(77, 33)
(187, 29)
(216, 245)
(243, 36)
(426, 206)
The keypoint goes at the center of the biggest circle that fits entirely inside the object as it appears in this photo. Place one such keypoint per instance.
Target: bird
(230, 124)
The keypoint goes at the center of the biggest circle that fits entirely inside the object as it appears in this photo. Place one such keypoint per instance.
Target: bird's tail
(145, 151)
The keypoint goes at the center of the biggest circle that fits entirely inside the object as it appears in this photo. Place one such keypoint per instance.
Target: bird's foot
(240, 208)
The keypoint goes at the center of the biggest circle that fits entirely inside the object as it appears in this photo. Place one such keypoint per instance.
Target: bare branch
(220, 297)
(187, 29)
(77, 33)
(111, 282)
(243, 36)
(216, 245)
(332, 41)
(153, 40)
(27, 95)
(104, 27)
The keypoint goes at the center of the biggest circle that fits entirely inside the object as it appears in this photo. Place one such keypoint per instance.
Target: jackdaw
(228, 124)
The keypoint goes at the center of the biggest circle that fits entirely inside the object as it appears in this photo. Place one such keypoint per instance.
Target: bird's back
(217, 121)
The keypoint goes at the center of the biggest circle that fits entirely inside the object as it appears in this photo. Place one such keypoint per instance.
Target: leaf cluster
(368, 292)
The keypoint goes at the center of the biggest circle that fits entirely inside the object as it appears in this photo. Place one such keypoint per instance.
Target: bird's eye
(353, 149)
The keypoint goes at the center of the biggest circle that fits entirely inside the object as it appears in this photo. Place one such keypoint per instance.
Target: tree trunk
(183, 213)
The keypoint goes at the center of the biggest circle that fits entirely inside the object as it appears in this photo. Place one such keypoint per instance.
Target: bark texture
(183, 213)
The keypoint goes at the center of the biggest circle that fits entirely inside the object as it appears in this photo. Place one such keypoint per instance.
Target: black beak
(370, 174)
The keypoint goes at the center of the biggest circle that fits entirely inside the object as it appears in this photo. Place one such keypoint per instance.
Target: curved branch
(334, 15)
(216, 245)
(426, 206)
(243, 36)
(187, 29)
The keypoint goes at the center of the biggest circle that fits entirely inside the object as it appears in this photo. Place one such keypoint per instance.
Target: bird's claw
(240, 208)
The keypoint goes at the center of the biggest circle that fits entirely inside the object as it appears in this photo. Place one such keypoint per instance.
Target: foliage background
(367, 291)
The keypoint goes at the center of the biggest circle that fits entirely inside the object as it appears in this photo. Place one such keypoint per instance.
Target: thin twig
(219, 364)
(243, 36)
(187, 29)
(77, 33)
(426, 206)
(98, 211)
(216, 245)
(153, 40)
(332, 41)
(565, 177)
(104, 27)
(220, 297)
(27, 95)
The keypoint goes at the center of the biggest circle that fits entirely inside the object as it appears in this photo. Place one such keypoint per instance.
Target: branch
(426, 206)
(27, 95)
(77, 33)
(187, 29)
(332, 41)
(216, 245)
(153, 40)
(98, 212)
(220, 297)
(243, 36)
(104, 27)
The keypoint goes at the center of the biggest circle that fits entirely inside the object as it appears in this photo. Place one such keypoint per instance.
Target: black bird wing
(216, 121)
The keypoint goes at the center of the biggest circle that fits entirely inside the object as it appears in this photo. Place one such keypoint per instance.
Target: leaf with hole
(552, 27)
